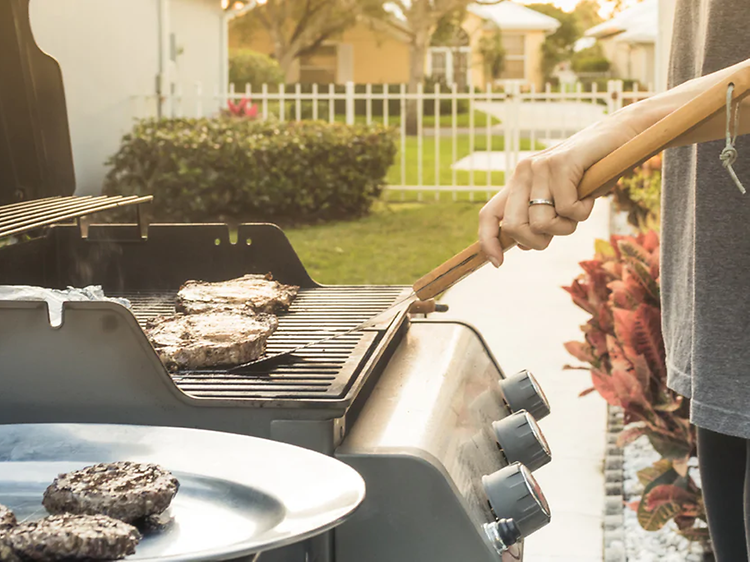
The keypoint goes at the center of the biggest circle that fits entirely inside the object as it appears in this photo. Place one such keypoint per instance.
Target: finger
(564, 187)
(524, 248)
(489, 227)
(543, 219)
(516, 221)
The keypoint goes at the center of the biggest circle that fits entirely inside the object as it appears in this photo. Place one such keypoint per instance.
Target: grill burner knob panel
(514, 494)
(522, 392)
(522, 441)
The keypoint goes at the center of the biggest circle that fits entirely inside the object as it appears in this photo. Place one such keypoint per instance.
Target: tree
(299, 27)
(559, 45)
(422, 18)
(493, 54)
(587, 13)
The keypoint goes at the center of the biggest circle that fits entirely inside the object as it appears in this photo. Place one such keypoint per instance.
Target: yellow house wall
(379, 57)
(630, 62)
(475, 28)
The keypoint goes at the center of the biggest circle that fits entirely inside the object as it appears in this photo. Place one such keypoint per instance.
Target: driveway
(566, 117)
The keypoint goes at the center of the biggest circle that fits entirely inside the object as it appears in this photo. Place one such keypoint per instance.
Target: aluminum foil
(55, 297)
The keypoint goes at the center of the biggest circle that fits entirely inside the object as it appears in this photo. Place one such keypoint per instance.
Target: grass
(445, 173)
(428, 121)
(396, 244)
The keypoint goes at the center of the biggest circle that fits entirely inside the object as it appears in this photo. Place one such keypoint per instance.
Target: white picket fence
(449, 151)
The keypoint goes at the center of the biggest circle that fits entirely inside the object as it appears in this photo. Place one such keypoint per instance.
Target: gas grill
(420, 408)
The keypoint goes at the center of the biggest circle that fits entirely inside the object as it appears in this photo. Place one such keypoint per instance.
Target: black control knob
(515, 495)
(522, 441)
(522, 392)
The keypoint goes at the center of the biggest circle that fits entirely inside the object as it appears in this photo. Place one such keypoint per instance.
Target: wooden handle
(603, 175)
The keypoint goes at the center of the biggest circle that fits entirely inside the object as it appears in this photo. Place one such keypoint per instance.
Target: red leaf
(605, 387)
(252, 111)
(581, 351)
(586, 392)
(630, 434)
(669, 493)
(628, 390)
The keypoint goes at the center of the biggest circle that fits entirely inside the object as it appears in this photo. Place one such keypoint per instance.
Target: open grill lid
(36, 159)
(37, 179)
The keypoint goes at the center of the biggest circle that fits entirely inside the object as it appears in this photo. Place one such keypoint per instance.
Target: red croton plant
(624, 351)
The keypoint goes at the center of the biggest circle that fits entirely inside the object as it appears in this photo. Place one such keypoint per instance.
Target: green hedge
(250, 67)
(239, 169)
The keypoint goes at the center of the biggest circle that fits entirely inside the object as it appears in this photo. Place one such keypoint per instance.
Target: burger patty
(248, 294)
(197, 341)
(7, 519)
(73, 537)
(123, 490)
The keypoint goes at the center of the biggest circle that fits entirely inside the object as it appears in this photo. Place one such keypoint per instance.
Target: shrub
(256, 69)
(591, 64)
(624, 350)
(242, 169)
(639, 194)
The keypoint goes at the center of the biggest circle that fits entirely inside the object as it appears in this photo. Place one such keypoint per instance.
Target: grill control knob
(522, 392)
(514, 494)
(522, 441)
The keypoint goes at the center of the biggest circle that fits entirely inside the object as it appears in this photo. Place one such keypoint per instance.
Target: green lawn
(396, 244)
(463, 146)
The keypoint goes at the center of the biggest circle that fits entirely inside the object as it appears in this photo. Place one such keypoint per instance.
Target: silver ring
(549, 202)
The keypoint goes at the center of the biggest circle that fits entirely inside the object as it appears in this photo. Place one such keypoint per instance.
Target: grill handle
(602, 176)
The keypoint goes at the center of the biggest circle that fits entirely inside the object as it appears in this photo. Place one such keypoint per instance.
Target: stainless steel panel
(422, 442)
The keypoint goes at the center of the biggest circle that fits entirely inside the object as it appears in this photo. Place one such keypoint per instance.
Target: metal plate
(238, 495)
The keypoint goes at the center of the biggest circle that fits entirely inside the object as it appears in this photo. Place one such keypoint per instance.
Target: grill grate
(327, 371)
(27, 216)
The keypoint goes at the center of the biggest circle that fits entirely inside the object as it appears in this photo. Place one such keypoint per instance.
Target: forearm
(640, 116)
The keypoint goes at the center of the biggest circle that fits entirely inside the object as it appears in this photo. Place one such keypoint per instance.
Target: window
(319, 67)
(452, 64)
(514, 45)
(439, 64)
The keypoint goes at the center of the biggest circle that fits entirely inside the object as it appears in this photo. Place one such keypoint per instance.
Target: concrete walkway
(548, 116)
(526, 317)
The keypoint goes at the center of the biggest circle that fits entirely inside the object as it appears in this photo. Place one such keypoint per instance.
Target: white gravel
(664, 545)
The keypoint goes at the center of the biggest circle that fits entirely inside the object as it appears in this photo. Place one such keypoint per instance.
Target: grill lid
(35, 152)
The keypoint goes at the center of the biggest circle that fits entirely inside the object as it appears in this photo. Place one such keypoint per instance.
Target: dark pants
(725, 475)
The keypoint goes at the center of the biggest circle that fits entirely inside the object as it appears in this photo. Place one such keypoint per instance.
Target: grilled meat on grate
(7, 519)
(197, 341)
(74, 537)
(124, 490)
(248, 294)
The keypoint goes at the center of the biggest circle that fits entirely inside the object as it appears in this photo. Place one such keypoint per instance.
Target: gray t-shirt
(705, 273)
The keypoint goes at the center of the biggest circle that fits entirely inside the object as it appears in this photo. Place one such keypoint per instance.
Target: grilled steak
(123, 490)
(74, 537)
(7, 519)
(206, 340)
(248, 294)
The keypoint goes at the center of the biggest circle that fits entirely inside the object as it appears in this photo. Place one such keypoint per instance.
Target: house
(117, 55)
(629, 41)
(377, 52)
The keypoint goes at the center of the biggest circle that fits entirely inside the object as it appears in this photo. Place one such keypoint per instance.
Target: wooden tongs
(598, 180)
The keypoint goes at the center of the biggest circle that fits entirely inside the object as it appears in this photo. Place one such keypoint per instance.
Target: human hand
(541, 199)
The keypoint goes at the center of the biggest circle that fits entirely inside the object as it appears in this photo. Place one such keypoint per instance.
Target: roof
(639, 24)
(509, 15)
